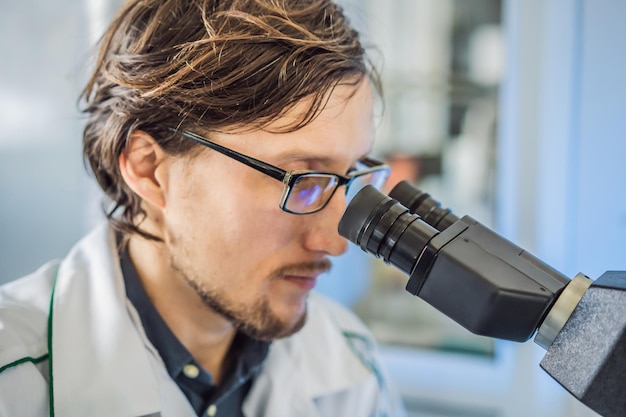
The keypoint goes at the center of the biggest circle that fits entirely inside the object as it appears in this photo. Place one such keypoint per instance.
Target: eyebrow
(300, 155)
(322, 160)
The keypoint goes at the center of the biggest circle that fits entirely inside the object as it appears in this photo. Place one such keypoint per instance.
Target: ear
(139, 162)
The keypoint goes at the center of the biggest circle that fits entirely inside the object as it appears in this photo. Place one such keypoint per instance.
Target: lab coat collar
(314, 363)
(99, 362)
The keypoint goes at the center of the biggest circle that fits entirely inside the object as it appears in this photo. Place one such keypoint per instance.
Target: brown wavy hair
(209, 65)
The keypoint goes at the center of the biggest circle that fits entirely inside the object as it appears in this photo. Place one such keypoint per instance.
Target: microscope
(494, 288)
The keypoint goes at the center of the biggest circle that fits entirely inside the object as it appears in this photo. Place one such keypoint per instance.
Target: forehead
(342, 130)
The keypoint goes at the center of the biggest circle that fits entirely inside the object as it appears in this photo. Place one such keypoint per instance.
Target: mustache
(304, 268)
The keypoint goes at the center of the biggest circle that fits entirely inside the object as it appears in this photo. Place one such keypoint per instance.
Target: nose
(322, 234)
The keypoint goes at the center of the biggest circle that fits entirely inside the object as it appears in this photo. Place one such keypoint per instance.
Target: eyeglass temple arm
(254, 163)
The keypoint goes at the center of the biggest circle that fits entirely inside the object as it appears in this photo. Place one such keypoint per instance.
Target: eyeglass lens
(311, 192)
(375, 178)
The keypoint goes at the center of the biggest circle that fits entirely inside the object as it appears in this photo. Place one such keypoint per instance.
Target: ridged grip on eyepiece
(422, 204)
(383, 227)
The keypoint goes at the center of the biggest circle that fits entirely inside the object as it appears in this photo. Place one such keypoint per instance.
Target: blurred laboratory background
(507, 110)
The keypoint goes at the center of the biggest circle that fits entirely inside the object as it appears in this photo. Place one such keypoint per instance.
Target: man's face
(226, 235)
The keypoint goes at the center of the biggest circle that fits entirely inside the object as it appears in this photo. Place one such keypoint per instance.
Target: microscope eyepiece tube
(385, 228)
(474, 276)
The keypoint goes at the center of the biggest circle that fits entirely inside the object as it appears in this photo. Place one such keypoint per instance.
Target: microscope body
(495, 276)
(494, 288)
(588, 355)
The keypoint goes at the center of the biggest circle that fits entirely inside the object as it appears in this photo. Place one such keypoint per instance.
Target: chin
(278, 326)
(293, 328)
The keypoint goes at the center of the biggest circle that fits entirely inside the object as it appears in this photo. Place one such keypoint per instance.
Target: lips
(303, 274)
(306, 283)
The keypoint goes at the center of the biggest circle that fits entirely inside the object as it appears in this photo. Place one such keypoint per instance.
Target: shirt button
(191, 371)
(212, 410)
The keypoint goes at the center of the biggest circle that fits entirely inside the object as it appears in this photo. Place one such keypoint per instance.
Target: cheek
(255, 229)
(231, 228)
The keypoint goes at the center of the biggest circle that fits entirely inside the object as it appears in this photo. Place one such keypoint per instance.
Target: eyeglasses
(306, 192)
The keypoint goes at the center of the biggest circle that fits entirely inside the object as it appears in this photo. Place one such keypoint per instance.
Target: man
(225, 134)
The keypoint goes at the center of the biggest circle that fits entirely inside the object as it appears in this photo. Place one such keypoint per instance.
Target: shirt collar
(174, 354)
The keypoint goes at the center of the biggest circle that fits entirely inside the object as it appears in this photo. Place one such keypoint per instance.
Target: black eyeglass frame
(289, 178)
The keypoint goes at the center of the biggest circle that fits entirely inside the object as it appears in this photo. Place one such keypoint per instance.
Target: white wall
(43, 185)
(47, 199)
(561, 142)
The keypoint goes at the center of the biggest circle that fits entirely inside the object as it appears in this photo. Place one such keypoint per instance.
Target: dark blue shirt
(208, 399)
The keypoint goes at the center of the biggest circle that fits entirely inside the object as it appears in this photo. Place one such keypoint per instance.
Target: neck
(205, 334)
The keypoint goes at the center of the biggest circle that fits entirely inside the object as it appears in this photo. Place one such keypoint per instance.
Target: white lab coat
(72, 345)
